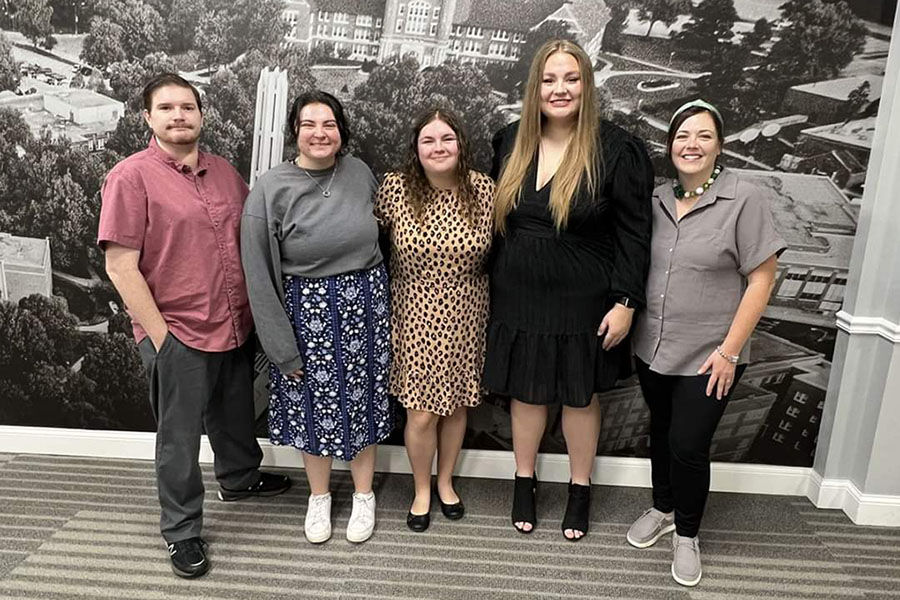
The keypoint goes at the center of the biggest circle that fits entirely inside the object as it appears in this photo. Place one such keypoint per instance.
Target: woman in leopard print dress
(438, 214)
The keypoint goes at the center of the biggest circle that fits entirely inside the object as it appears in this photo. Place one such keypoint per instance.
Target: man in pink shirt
(169, 225)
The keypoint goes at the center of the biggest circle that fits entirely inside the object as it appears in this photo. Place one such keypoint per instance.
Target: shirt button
(671, 249)
(662, 295)
(667, 271)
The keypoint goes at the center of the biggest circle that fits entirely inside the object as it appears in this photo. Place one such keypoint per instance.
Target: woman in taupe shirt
(712, 269)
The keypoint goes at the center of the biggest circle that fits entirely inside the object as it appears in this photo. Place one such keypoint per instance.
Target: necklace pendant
(326, 193)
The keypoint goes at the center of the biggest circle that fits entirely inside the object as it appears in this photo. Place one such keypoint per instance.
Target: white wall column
(856, 466)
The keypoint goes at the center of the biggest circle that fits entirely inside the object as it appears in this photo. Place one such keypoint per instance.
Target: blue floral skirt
(340, 405)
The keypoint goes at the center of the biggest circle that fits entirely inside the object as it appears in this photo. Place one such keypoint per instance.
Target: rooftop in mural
(857, 133)
(813, 216)
(38, 116)
(769, 348)
(521, 15)
(350, 7)
(839, 89)
(23, 250)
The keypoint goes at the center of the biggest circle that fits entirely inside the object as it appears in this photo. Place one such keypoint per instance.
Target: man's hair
(164, 79)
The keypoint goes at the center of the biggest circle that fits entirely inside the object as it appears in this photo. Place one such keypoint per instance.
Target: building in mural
(84, 117)
(818, 223)
(827, 101)
(25, 267)
(435, 31)
(839, 151)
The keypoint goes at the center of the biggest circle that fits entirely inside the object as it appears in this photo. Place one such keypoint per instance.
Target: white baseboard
(863, 509)
(492, 464)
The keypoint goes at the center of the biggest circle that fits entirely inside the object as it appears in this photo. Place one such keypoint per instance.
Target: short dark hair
(319, 97)
(687, 114)
(164, 79)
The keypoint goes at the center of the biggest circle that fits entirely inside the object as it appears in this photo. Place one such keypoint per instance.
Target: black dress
(550, 290)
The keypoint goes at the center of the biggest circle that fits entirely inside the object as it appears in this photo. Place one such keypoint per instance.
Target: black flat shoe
(418, 523)
(454, 511)
(523, 509)
(578, 510)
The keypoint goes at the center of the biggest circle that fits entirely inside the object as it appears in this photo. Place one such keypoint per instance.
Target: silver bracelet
(732, 358)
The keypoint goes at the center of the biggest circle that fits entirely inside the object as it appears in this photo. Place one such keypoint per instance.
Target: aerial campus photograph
(798, 82)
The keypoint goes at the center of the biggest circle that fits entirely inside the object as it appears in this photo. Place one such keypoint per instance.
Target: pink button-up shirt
(186, 223)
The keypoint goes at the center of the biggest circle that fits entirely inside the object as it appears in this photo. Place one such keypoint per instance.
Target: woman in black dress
(572, 216)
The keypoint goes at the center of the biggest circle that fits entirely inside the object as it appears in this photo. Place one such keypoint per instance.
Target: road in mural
(800, 104)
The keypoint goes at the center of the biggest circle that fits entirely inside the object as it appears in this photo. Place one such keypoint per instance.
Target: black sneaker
(189, 557)
(269, 484)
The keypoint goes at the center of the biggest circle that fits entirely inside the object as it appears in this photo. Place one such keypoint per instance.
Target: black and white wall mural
(799, 83)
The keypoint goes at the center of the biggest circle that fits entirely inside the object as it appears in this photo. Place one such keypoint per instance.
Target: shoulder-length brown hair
(579, 163)
(417, 182)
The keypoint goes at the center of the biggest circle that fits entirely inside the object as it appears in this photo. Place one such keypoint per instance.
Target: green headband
(698, 103)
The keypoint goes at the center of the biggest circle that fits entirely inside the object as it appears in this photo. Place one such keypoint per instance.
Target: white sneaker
(317, 526)
(362, 518)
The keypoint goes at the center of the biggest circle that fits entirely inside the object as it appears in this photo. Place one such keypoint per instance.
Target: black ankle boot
(523, 508)
(578, 510)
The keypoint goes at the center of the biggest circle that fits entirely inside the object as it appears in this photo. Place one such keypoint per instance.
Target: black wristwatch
(626, 302)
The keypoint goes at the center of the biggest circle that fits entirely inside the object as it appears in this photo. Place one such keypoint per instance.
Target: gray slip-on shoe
(686, 568)
(649, 527)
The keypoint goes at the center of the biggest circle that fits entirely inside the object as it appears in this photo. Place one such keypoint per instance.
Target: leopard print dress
(439, 295)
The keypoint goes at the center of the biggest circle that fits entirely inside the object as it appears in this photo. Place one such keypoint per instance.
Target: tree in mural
(709, 28)
(212, 38)
(612, 35)
(9, 68)
(50, 188)
(104, 43)
(52, 374)
(123, 397)
(33, 18)
(756, 39)
(128, 77)
(817, 39)
(661, 11)
(143, 29)
(397, 91)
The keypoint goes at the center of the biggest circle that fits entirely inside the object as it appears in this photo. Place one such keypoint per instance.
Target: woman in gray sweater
(319, 295)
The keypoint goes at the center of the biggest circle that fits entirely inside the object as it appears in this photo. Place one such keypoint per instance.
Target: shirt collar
(723, 188)
(167, 158)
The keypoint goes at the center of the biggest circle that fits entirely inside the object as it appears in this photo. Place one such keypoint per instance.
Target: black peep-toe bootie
(523, 509)
(578, 510)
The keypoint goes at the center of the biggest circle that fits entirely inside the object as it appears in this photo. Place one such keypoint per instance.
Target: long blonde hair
(580, 159)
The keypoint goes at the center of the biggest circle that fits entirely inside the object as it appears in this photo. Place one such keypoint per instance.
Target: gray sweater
(290, 228)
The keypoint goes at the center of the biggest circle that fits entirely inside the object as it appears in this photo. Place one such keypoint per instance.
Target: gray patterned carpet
(87, 528)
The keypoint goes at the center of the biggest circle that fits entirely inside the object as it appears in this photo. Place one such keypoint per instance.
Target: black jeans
(683, 420)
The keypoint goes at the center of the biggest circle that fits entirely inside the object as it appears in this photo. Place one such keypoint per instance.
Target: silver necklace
(326, 191)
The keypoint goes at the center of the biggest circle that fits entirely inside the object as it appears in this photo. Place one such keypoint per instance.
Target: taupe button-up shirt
(698, 271)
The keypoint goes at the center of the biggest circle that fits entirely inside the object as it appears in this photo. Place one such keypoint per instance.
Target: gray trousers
(192, 390)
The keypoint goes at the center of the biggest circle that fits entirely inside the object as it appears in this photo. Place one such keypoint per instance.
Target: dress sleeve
(755, 234)
(630, 191)
(384, 200)
(502, 143)
(261, 259)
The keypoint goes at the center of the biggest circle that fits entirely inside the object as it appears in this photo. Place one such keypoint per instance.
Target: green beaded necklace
(681, 194)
